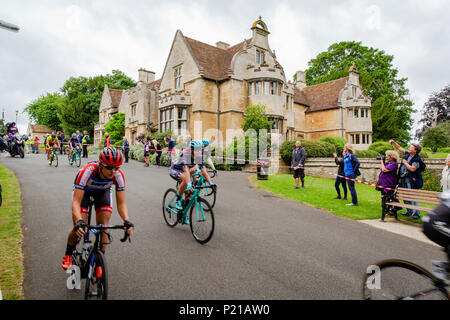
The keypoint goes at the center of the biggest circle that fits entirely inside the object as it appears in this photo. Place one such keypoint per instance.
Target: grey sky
(60, 39)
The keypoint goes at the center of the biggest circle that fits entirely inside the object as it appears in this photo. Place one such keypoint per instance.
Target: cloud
(60, 39)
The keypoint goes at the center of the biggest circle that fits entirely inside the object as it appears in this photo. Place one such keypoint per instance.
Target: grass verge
(11, 257)
(320, 193)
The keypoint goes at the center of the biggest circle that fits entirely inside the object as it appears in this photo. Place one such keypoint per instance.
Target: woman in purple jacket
(388, 178)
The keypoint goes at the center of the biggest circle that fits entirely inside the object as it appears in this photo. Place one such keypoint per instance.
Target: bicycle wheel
(401, 280)
(168, 207)
(77, 159)
(55, 159)
(201, 220)
(97, 280)
(209, 194)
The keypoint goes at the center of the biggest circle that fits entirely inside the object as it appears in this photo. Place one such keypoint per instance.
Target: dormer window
(259, 57)
(177, 76)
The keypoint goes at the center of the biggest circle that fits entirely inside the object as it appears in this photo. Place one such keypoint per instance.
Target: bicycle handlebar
(103, 227)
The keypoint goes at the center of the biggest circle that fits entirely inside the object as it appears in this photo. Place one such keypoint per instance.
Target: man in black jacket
(298, 164)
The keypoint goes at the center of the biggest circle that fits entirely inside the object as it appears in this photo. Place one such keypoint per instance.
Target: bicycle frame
(192, 200)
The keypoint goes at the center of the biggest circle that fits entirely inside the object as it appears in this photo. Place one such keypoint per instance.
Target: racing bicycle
(53, 157)
(91, 260)
(75, 158)
(201, 216)
(208, 192)
(403, 280)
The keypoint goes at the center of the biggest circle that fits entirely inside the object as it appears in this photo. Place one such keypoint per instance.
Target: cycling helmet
(205, 143)
(53, 135)
(195, 144)
(110, 157)
(74, 134)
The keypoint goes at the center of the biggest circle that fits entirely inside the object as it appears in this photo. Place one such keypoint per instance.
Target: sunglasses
(110, 168)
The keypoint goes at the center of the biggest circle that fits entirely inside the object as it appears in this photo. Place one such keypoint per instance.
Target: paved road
(264, 247)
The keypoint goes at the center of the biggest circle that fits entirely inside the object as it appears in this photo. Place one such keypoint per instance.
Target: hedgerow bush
(314, 149)
(134, 148)
(431, 181)
(381, 147)
(338, 143)
(366, 154)
(444, 150)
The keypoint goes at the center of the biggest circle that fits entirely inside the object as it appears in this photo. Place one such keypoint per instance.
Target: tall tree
(44, 110)
(436, 110)
(116, 127)
(436, 137)
(82, 98)
(379, 80)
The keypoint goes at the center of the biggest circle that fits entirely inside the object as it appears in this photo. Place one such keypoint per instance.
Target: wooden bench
(412, 195)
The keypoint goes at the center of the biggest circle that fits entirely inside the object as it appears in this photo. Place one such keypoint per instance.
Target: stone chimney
(353, 75)
(301, 79)
(146, 76)
(222, 45)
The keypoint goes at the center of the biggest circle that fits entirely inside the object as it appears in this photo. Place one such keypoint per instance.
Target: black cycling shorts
(102, 201)
(437, 228)
(299, 173)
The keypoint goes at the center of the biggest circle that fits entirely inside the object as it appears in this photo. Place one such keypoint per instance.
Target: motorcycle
(16, 146)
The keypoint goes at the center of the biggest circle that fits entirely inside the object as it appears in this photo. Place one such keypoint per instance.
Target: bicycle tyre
(196, 222)
(211, 195)
(78, 159)
(55, 159)
(403, 267)
(102, 283)
(168, 200)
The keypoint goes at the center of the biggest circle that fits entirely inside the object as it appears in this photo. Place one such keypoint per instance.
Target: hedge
(314, 149)
(381, 147)
(338, 143)
(366, 154)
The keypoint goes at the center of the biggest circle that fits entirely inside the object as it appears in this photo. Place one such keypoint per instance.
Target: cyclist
(95, 180)
(207, 156)
(436, 226)
(73, 144)
(182, 168)
(51, 142)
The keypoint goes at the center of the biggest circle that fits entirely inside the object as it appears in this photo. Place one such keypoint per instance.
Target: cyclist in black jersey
(436, 226)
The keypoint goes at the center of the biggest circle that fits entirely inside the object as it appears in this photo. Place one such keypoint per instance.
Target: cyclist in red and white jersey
(96, 179)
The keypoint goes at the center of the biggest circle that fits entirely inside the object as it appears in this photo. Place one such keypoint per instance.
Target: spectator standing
(388, 178)
(147, 147)
(107, 142)
(351, 171)
(410, 173)
(28, 142)
(85, 142)
(158, 150)
(341, 179)
(298, 164)
(445, 179)
(125, 148)
(79, 136)
(36, 144)
(170, 143)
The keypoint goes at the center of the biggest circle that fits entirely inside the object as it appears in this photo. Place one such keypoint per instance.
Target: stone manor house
(215, 84)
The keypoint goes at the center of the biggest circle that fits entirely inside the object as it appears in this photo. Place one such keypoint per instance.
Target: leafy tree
(436, 137)
(256, 118)
(436, 110)
(44, 110)
(379, 80)
(84, 94)
(116, 127)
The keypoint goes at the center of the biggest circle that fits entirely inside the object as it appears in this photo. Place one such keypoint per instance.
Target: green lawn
(320, 193)
(438, 155)
(11, 265)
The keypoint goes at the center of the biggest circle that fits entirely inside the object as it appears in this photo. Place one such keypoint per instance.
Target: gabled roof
(300, 97)
(214, 61)
(325, 95)
(39, 128)
(116, 95)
